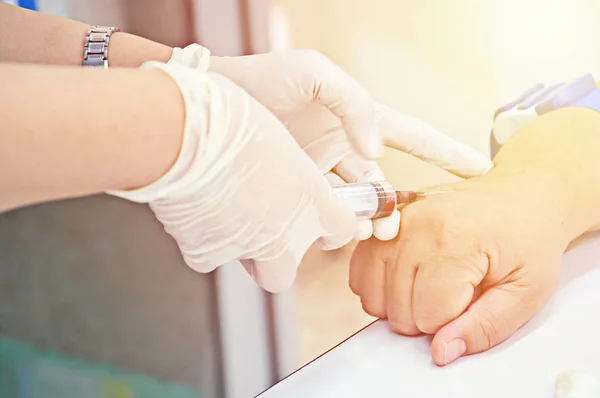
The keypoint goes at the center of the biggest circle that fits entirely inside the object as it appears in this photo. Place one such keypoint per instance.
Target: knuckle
(419, 216)
(427, 325)
(434, 227)
(373, 307)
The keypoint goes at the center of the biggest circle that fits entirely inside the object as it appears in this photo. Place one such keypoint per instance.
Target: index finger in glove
(421, 140)
(273, 275)
(344, 97)
(298, 77)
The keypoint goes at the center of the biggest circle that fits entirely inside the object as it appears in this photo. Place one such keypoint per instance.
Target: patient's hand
(471, 266)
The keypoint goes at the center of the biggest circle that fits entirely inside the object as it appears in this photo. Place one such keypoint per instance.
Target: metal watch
(95, 50)
(539, 100)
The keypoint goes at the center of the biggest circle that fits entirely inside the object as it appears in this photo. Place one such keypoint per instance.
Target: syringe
(373, 200)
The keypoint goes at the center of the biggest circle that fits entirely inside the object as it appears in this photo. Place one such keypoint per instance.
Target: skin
(472, 266)
(37, 38)
(128, 140)
(59, 147)
(469, 267)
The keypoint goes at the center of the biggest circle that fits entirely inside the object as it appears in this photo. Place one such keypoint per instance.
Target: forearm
(560, 152)
(69, 132)
(32, 37)
(550, 167)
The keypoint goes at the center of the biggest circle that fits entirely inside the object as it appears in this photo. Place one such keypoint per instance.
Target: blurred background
(95, 297)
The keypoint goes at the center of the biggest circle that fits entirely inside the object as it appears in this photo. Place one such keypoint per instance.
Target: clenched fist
(473, 265)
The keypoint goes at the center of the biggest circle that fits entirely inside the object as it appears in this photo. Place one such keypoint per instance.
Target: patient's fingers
(444, 286)
(400, 275)
(356, 262)
(493, 318)
(367, 276)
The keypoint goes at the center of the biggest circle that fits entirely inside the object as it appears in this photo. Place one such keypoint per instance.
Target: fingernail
(454, 350)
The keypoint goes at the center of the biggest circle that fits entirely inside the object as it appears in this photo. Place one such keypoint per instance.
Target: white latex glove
(242, 188)
(336, 121)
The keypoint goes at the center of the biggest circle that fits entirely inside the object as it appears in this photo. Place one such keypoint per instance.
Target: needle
(411, 196)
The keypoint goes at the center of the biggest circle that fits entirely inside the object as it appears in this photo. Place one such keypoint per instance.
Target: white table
(377, 363)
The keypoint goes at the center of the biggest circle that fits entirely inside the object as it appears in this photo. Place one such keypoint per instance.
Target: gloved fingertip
(203, 268)
(387, 228)
(465, 162)
(274, 276)
(364, 230)
(475, 165)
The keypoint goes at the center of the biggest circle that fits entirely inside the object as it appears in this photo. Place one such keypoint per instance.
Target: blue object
(581, 92)
(591, 100)
(570, 94)
(29, 4)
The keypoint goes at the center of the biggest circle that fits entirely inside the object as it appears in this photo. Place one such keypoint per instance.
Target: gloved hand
(242, 188)
(336, 121)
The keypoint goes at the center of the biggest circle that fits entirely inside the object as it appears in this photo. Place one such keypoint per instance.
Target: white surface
(377, 363)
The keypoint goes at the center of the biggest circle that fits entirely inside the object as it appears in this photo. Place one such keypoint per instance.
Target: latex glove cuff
(187, 165)
(193, 56)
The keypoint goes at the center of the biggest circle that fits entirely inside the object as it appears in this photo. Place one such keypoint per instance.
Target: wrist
(127, 50)
(193, 56)
(557, 156)
(543, 199)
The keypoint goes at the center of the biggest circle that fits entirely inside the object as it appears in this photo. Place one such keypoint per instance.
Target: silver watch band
(95, 51)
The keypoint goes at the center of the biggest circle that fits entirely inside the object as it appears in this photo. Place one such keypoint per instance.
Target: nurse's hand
(336, 121)
(471, 266)
(241, 187)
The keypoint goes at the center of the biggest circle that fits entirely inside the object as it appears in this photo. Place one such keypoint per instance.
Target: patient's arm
(474, 265)
(561, 151)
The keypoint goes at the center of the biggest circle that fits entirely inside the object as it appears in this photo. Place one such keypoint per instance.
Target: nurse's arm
(68, 132)
(33, 37)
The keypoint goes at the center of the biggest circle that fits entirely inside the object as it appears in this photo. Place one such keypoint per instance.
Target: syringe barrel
(370, 199)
